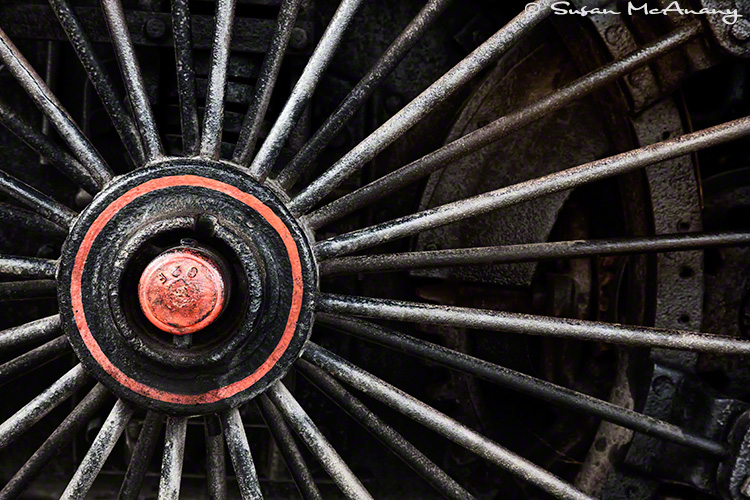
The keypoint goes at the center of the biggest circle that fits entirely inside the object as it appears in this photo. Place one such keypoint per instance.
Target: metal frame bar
(502, 127)
(99, 78)
(316, 442)
(304, 89)
(362, 91)
(421, 106)
(386, 434)
(213, 119)
(521, 382)
(440, 423)
(531, 189)
(104, 442)
(264, 87)
(133, 79)
(531, 252)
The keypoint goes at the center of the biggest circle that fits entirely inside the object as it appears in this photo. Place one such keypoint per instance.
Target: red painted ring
(220, 393)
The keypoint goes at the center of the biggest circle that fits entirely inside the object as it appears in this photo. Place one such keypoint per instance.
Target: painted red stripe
(221, 392)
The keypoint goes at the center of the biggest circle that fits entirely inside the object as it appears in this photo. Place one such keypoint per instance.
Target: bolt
(155, 29)
(741, 30)
(298, 39)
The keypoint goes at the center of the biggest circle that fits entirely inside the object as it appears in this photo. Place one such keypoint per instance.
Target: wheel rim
(279, 273)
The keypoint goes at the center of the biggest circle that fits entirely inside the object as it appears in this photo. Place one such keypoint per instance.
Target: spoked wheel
(188, 287)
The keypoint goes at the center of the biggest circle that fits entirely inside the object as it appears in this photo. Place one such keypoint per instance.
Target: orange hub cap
(182, 291)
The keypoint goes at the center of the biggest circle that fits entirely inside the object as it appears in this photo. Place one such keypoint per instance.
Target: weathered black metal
(552, 183)
(303, 90)
(21, 290)
(174, 455)
(502, 127)
(418, 108)
(215, 459)
(53, 211)
(133, 78)
(316, 442)
(440, 423)
(141, 457)
(185, 69)
(13, 428)
(531, 252)
(27, 220)
(362, 91)
(38, 22)
(266, 82)
(47, 149)
(239, 452)
(53, 110)
(34, 359)
(105, 441)
(387, 435)
(484, 319)
(271, 267)
(293, 458)
(27, 267)
(37, 331)
(64, 434)
(100, 79)
(34, 332)
(213, 120)
(521, 382)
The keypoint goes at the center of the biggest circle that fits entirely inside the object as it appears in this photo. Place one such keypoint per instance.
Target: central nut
(183, 290)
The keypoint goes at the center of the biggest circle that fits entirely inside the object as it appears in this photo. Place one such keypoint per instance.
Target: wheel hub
(155, 255)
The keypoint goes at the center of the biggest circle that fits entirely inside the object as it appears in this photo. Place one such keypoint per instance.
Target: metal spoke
(100, 449)
(266, 82)
(521, 382)
(295, 462)
(27, 267)
(239, 452)
(43, 97)
(174, 455)
(34, 359)
(99, 78)
(141, 458)
(45, 206)
(527, 324)
(136, 88)
(37, 331)
(13, 428)
(440, 423)
(502, 127)
(23, 290)
(304, 89)
(213, 120)
(215, 461)
(385, 433)
(21, 218)
(362, 91)
(421, 106)
(183, 48)
(63, 435)
(41, 144)
(524, 191)
(530, 252)
(306, 429)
